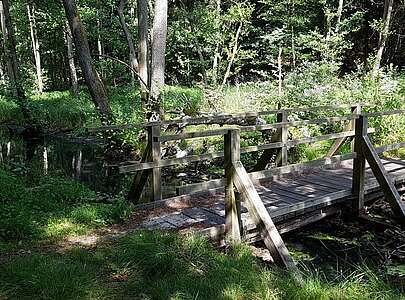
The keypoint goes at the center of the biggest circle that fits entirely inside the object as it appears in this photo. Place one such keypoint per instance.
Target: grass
(50, 208)
(158, 265)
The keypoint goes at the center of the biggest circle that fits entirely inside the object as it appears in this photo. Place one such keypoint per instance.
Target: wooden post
(355, 109)
(359, 165)
(153, 140)
(232, 208)
(140, 178)
(283, 117)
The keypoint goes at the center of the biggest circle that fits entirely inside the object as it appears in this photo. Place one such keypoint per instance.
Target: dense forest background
(290, 52)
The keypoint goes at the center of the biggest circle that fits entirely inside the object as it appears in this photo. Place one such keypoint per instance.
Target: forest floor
(65, 246)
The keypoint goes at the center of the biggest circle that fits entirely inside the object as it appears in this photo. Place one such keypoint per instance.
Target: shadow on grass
(158, 265)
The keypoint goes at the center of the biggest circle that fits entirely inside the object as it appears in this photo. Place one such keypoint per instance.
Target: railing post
(153, 140)
(283, 117)
(355, 109)
(359, 165)
(232, 201)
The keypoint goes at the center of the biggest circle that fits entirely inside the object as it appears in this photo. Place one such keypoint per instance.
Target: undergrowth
(157, 265)
(50, 208)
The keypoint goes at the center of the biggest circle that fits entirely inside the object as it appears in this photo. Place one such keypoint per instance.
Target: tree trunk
(233, 55)
(93, 81)
(384, 35)
(35, 46)
(159, 37)
(216, 54)
(143, 48)
(71, 60)
(133, 61)
(280, 74)
(339, 15)
(11, 55)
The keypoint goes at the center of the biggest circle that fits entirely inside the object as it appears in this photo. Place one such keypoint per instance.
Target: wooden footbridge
(267, 202)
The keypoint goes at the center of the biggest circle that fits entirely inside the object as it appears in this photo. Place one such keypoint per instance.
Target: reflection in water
(55, 155)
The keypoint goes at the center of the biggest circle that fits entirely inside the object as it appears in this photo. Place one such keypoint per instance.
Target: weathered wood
(218, 119)
(390, 147)
(384, 179)
(269, 174)
(232, 208)
(262, 219)
(359, 166)
(169, 162)
(283, 118)
(192, 135)
(140, 179)
(356, 109)
(153, 137)
(385, 113)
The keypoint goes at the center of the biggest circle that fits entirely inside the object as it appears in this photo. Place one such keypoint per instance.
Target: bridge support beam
(365, 151)
(232, 200)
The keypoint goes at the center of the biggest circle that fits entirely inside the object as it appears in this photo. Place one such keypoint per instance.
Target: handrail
(218, 117)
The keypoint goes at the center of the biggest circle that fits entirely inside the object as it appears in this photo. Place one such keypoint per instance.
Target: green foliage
(50, 208)
(159, 265)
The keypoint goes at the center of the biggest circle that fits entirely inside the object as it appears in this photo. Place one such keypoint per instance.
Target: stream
(47, 155)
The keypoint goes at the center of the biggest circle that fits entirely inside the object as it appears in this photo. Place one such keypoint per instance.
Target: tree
(383, 35)
(159, 36)
(35, 46)
(71, 61)
(133, 61)
(143, 48)
(10, 51)
(92, 78)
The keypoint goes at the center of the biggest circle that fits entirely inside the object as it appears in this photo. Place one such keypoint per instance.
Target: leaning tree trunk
(35, 46)
(384, 35)
(11, 57)
(71, 61)
(159, 37)
(133, 61)
(143, 49)
(93, 81)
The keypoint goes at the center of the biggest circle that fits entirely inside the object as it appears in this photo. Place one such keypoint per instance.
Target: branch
(126, 65)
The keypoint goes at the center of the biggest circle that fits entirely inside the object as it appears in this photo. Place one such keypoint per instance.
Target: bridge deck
(292, 201)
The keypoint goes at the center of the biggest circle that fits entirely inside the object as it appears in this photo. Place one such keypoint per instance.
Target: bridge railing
(152, 162)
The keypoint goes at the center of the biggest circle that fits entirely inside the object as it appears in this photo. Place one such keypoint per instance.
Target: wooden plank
(384, 179)
(213, 119)
(269, 146)
(385, 113)
(268, 174)
(390, 147)
(192, 135)
(153, 135)
(140, 179)
(283, 118)
(232, 208)
(169, 162)
(349, 127)
(263, 221)
(320, 184)
(298, 123)
(359, 166)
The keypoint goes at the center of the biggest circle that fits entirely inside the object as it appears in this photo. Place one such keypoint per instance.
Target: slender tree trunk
(93, 81)
(293, 34)
(216, 54)
(384, 35)
(233, 55)
(143, 48)
(71, 59)
(280, 74)
(159, 37)
(11, 54)
(339, 15)
(35, 46)
(133, 61)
